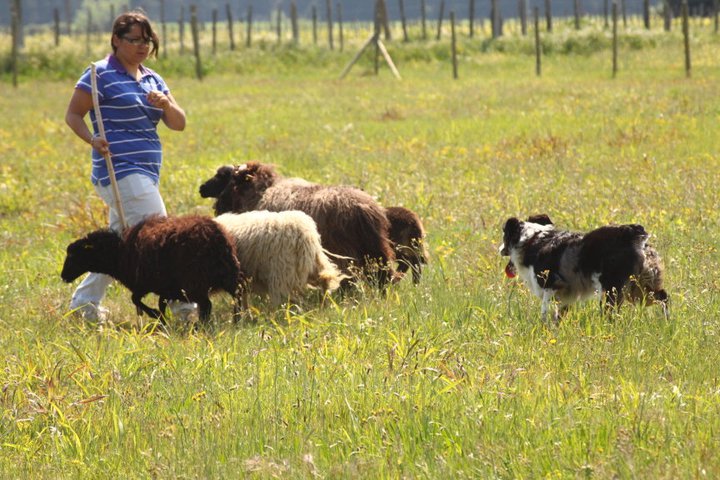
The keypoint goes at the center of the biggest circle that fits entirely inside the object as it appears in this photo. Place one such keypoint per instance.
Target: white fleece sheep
(280, 252)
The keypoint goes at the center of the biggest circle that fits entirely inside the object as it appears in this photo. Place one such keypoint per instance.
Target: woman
(133, 99)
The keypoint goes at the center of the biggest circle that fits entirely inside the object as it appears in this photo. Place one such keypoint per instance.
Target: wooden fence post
(686, 36)
(56, 20)
(294, 22)
(576, 8)
(385, 19)
(328, 14)
(606, 12)
(471, 18)
(214, 30)
(314, 24)
(228, 14)
(163, 28)
(716, 14)
(440, 19)
(494, 18)
(623, 6)
(68, 17)
(522, 12)
(196, 41)
(423, 19)
(548, 15)
(88, 29)
(376, 36)
(248, 35)
(15, 39)
(646, 14)
(341, 34)
(538, 46)
(403, 20)
(667, 15)
(181, 29)
(614, 38)
(278, 25)
(453, 43)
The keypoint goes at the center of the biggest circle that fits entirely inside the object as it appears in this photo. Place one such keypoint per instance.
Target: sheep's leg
(402, 266)
(142, 308)
(665, 308)
(240, 302)
(163, 303)
(204, 309)
(416, 273)
(379, 268)
(275, 298)
(247, 307)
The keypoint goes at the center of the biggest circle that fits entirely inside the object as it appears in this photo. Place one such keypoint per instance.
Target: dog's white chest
(527, 274)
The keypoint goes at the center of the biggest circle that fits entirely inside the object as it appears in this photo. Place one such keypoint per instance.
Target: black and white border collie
(613, 262)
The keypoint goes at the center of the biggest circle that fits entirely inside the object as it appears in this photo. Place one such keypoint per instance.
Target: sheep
(177, 258)
(408, 235)
(280, 252)
(352, 226)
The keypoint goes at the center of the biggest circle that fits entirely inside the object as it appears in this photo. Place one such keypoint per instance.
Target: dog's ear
(511, 232)
(540, 219)
(511, 224)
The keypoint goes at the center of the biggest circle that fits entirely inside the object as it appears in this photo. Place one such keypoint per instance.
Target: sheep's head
(246, 188)
(96, 252)
(213, 187)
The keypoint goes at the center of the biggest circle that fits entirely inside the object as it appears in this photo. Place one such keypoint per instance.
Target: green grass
(455, 377)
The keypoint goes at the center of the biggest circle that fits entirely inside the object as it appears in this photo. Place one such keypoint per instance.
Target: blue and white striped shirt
(130, 121)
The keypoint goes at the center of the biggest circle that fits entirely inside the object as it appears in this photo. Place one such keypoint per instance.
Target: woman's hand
(159, 100)
(173, 115)
(100, 144)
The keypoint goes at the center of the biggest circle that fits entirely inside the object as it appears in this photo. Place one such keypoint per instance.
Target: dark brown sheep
(408, 236)
(352, 226)
(178, 258)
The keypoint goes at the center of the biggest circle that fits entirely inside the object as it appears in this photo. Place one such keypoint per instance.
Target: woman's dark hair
(124, 22)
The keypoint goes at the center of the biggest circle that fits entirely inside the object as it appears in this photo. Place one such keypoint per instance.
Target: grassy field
(455, 377)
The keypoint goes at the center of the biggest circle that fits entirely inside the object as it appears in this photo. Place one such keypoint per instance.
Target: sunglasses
(137, 41)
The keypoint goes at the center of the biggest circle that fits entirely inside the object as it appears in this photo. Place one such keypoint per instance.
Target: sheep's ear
(225, 170)
(242, 174)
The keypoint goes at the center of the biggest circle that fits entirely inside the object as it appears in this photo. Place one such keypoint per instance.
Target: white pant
(140, 198)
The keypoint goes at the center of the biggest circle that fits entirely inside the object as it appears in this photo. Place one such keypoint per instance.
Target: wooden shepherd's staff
(108, 161)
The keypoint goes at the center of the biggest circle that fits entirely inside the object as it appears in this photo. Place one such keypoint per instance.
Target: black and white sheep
(280, 253)
(178, 258)
(408, 236)
(352, 225)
